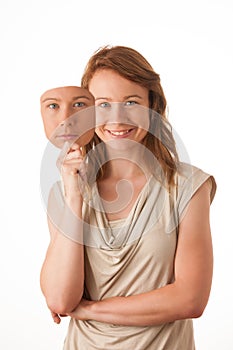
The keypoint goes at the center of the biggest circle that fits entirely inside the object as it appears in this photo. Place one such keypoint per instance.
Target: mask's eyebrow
(58, 99)
(79, 97)
(49, 99)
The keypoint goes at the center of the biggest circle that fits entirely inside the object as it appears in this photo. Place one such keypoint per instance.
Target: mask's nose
(66, 116)
(66, 122)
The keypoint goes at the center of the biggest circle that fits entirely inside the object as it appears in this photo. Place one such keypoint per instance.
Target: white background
(189, 43)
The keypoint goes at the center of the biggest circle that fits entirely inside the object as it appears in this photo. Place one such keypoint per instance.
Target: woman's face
(65, 115)
(122, 107)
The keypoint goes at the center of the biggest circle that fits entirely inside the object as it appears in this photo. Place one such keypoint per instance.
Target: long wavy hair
(131, 65)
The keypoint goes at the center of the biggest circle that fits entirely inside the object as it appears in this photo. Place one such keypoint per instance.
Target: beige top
(132, 256)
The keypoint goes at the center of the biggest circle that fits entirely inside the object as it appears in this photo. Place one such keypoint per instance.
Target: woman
(140, 267)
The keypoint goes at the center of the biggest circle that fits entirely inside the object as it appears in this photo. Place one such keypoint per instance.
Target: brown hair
(131, 65)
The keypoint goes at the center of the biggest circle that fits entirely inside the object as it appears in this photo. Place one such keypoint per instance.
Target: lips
(67, 137)
(119, 133)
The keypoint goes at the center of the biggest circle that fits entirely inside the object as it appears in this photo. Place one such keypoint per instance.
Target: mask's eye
(79, 104)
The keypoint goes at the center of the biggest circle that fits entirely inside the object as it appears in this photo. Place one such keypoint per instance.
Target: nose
(66, 122)
(115, 114)
(65, 117)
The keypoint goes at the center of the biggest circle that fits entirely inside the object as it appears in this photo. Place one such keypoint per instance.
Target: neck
(123, 169)
(126, 163)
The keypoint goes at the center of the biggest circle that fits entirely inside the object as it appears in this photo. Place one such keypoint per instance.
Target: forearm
(62, 273)
(160, 306)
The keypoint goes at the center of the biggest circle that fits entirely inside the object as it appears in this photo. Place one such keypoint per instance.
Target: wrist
(91, 309)
(75, 202)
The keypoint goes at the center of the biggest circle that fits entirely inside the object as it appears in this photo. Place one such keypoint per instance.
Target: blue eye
(79, 104)
(130, 103)
(104, 105)
(53, 105)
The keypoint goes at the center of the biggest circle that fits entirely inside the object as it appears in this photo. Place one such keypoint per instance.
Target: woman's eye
(79, 104)
(130, 103)
(104, 104)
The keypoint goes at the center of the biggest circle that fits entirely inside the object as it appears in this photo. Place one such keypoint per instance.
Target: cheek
(142, 132)
(139, 116)
(99, 132)
(85, 138)
(50, 128)
(84, 125)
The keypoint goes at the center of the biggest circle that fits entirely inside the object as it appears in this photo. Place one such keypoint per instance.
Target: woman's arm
(186, 297)
(62, 273)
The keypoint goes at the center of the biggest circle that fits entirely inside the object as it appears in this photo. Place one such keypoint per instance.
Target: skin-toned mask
(68, 115)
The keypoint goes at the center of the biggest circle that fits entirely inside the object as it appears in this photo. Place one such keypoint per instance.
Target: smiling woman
(131, 276)
(122, 98)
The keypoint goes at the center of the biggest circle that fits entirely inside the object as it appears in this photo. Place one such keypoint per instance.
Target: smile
(120, 132)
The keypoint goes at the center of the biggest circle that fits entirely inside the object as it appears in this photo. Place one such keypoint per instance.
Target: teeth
(119, 133)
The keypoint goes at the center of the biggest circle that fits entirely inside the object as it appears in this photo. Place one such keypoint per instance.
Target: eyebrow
(125, 97)
(77, 97)
(59, 99)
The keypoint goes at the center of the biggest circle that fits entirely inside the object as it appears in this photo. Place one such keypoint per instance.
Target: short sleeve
(189, 180)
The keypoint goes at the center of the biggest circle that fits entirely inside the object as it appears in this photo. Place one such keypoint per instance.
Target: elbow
(62, 305)
(59, 308)
(191, 301)
(61, 300)
(193, 309)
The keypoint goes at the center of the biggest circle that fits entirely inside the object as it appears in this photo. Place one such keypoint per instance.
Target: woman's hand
(73, 170)
(82, 311)
(56, 317)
